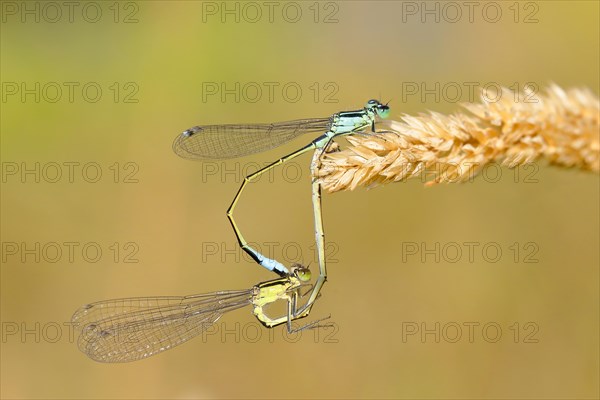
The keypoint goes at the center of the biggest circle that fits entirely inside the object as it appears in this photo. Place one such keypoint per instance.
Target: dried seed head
(562, 127)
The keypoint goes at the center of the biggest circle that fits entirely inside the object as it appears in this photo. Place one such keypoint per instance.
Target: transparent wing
(231, 141)
(130, 329)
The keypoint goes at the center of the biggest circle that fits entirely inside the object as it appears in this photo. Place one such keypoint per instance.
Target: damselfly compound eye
(383, 111)
(303, 274)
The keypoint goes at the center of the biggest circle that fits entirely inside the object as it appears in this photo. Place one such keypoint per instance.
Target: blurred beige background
(105, 87)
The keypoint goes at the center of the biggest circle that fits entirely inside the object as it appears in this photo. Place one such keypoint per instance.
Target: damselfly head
(382, 110)
(301, 272)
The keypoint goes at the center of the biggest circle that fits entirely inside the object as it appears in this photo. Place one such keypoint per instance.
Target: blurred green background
(409, 324)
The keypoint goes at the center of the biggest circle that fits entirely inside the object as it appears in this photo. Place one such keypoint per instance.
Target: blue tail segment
(270, 264)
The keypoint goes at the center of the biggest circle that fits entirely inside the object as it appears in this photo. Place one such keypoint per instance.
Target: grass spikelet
(561, 127)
